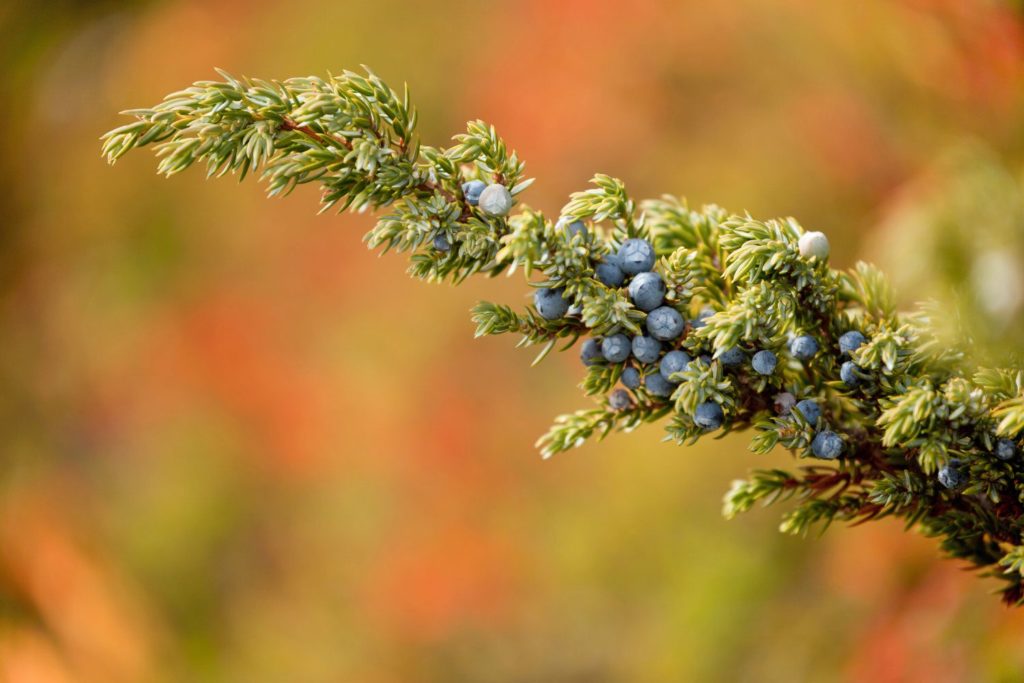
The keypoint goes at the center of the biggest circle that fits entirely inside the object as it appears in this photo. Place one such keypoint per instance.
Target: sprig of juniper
(720, 322)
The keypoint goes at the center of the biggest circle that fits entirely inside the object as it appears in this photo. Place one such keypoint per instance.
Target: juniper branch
(736, 323)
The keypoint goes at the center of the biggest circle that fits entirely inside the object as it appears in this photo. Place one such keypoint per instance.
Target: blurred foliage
(224, 460)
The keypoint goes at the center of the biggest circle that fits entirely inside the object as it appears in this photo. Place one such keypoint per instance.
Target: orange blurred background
(240, 447)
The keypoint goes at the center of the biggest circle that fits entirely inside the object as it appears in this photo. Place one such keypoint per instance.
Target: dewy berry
(764, 362)
(616, 348)
(609, 273)
(495, 200)
(636, 256)
(850, 342)
(590, 351)
(813, 245)
(708, 416)
(471, 191)
(665, 323)
(647, 290)
(673, 362)
(646, 349)
(803, 347)
(827, 445)
(550, 303)
(810, 410)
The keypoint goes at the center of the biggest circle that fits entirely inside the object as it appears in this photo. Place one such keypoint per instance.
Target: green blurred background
(237, 446)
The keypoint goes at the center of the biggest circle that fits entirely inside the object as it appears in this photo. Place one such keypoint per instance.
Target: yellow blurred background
(237, 446)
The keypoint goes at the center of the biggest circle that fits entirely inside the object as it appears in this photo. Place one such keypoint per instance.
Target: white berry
(496, 200)
(814, 244)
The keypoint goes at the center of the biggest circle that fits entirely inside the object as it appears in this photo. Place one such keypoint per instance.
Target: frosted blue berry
(615, 348)
(620, 400)
(950, 476)
(636, 256)
(658, 385)
(1005, 449)
(495, 200)
(784, 402)
(764, 362)
(609, 272)
(441, 242)
(550, 303)
(708, 415)
(471, 191)
(699, 321)
(647, 290)
(665, 323)
(827, 445)
(733, 357)
(848, 373)
(809, 409)
(574, 228)
(674, 361)
(590, 352)
(631, 378)
(646, 349)
(850, 342)
(803, 347)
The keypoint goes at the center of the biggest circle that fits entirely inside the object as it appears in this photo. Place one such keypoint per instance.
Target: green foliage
(918, 404)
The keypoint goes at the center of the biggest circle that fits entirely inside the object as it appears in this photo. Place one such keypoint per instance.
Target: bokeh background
(236, 446)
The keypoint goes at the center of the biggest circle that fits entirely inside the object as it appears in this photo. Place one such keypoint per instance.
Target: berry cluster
(716, 321)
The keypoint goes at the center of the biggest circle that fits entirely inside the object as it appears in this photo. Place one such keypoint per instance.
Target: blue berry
(674, 361)
(647, 290)
(848, 373)
(764, 362)
(495, 200)
(698, 322)
(441, 242)
(850, 342)
(1005, 449)
(803, 347)
(609, 272)
(784, 402)
(658, 385)
(631, 378)
(636, 256)
(471, 191)
(705, 359)
(950, 476)
(665, 323)
(574, 228)
(620, 400)
(827, 445)
(590, 352)
(708, 415)
(615, 348)
(646, 349)
(809, 409)
(550, 303)
(732, 357)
